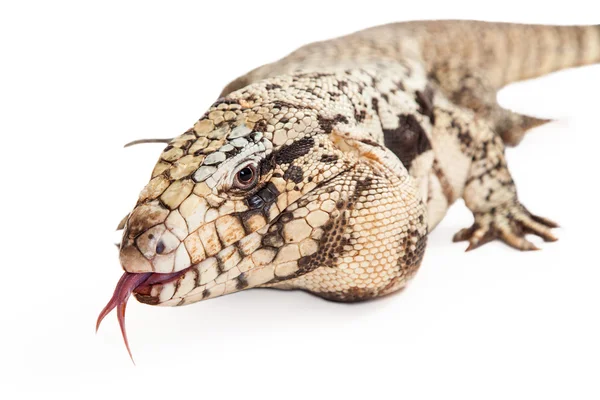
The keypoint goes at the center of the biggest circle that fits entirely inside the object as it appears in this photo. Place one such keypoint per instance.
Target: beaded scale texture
(325, 171)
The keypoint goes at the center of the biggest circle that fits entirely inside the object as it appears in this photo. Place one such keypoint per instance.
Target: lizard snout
(149, 246)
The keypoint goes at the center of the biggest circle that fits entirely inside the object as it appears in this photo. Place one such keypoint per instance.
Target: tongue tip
(105, 311)
(121, 317)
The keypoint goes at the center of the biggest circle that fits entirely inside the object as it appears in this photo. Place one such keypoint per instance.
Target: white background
(80, 79)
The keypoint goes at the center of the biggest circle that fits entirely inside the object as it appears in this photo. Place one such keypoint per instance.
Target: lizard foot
(509, 224)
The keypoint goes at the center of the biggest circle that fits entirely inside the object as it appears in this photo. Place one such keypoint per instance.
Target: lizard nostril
(160, 247)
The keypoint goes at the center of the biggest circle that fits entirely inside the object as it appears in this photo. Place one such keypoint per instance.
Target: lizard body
(325, 171)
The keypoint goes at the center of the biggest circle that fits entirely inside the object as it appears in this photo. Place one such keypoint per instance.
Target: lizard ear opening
(365, 148)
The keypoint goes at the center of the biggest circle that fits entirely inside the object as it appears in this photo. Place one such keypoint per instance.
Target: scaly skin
(355, 147)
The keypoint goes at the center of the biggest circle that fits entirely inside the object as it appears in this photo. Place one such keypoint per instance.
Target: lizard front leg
(491, 195)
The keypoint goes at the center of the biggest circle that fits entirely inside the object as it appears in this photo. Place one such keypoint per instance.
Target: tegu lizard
(325, 171)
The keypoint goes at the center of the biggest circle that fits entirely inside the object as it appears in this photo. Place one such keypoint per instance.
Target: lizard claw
(509, 224)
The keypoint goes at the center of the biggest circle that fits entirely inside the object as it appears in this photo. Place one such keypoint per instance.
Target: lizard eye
(246, 177)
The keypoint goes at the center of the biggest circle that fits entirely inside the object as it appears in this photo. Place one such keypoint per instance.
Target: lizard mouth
(139, 283)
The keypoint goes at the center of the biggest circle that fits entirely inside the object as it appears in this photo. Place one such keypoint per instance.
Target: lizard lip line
(133, 283)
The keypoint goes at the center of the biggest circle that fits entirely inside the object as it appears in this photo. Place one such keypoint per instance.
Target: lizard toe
(509, 224)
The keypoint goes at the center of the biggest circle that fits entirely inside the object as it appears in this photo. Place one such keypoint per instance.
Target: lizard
(326, 170)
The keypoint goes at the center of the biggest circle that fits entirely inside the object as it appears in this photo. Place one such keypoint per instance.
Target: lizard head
(220, 212)
(264, 193)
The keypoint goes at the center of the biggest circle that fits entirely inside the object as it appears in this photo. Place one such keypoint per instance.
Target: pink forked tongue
(126, 285)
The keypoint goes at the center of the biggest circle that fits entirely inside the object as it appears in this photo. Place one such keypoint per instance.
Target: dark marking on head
(327, 124)
(262, 200)
(370, 142)
(360, 116)
(266, 165)
(260, 126)
(329, 158)
(285, 217)
(221, 260)
(242, 282)
(224, 100)
(287, 154)
(272, 86)
(273, 239)
(269, 193)
(315, 75)
(294, 174)
(255, 202)
(250, 97)
(247, 216)
(407, 141)
(284, 104)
